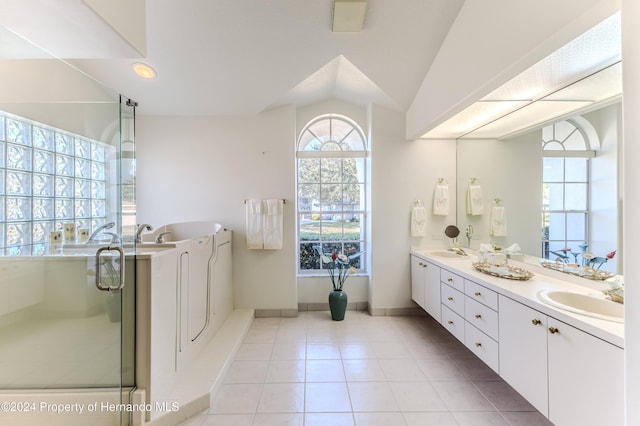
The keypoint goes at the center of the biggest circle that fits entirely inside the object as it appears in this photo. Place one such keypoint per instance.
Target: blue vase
(337, 304)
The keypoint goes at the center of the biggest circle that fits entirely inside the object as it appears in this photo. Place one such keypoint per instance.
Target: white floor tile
(364, 370)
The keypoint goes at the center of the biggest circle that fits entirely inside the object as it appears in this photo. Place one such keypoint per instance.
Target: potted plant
(339, 266)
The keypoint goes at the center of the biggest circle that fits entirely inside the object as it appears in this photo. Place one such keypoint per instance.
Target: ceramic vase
(337, 304)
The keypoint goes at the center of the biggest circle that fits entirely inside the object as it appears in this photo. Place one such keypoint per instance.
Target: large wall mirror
(549, 163)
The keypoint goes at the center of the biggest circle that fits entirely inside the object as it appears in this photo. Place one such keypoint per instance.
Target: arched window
(565, 200)
(331, 182)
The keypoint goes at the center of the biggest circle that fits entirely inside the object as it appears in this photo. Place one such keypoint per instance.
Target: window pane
(330, 197)
(556, 196)
(354, 142)
(562, 130)
(557, 226)
(340, 129)
(353, 196)
(309, 170)
(576, 169)
(308, 197)
(331, 170)
(64, 144)
(576, 226)
(309, 256)
(552, 169)
(309, 228)
(3, 147)
(331, 229)
(353, 227)
(353, 170)
(575, 141)
(576, 196)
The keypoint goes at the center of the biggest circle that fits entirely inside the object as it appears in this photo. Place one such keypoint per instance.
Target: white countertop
(526, 292)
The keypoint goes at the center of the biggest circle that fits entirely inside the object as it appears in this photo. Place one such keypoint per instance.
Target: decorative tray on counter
(589, 273)
(507, 271)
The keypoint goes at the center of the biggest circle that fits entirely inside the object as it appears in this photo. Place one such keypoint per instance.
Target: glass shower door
(67, 287)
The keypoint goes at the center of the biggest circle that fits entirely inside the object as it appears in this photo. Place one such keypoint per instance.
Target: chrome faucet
(115, 238)
(160, 238)
(140, 230)
(108, 225)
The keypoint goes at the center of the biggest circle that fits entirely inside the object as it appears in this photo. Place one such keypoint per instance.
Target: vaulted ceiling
(229, 57)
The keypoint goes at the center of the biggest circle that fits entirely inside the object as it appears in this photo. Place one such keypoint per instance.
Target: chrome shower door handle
(120, 284)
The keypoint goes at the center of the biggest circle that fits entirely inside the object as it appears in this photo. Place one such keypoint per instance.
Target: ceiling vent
(348, 15)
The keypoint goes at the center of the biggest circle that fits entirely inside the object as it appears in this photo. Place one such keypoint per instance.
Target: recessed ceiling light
(144, 70)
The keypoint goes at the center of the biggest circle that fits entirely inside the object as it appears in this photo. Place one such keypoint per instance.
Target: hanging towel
(273, 224)
(418, 221)
(255, 237)
(475, 205)
(498, 221)
(441, 200)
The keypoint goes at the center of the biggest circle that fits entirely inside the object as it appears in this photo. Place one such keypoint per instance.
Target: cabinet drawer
(452, 299)
(481, 294)
(481, 316)
(482, 345)
(455, 281)
(453, 322)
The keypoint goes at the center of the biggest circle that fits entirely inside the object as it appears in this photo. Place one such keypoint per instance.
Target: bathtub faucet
(140, 230)
(92, 238)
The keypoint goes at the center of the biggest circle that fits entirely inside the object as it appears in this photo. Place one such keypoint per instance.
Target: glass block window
(48, 177)
(331, 182)
(565, 190)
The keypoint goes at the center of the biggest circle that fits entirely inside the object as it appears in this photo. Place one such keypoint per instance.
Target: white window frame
(343, 154)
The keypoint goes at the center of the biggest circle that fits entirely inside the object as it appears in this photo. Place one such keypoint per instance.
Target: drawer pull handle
(450, 322)
(553, 330)
(450, 280)
(478, 344)
(477, 293)
(536, 321)
(450, 299)
(478, 316)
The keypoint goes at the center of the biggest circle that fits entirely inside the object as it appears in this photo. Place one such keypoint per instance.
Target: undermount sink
(584, 304)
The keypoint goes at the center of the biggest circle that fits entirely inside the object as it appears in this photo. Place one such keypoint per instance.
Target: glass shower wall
(63, 188)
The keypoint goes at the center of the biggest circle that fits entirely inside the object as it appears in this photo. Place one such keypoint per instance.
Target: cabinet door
(586, 378)
(523, 351)
(432, 291)
(417, 280)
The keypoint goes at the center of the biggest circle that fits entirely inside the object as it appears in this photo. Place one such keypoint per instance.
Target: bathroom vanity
(568, 365)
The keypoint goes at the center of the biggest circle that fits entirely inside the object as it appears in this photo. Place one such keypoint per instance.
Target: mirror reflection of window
(565, 189)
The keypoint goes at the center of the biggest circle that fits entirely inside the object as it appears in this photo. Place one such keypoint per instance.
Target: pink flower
(611, 254)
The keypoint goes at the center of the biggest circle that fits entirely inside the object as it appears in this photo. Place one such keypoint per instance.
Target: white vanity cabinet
(481, 329)
(570, 376)
(425, 286)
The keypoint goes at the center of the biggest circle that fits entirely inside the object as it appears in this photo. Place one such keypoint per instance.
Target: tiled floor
(364, 370)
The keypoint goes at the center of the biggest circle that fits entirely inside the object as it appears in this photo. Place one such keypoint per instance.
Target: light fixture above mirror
(581, 74)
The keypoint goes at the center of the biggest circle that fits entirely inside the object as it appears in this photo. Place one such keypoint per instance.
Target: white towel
(418, 221)
(255, 237)
(273, 219)
(475, 204)
(441, 200)
(498, 221)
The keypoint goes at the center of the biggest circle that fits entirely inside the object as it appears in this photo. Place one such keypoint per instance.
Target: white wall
(203, 168)
(401, 173)
(605, 197)
(512, 171)
(631, 243)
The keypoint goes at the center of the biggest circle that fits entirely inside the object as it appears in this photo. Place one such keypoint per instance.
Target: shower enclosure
(67, 264)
